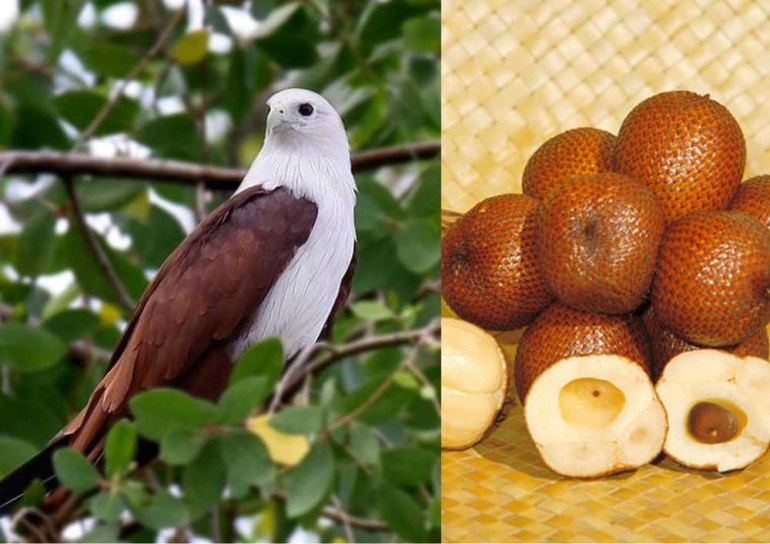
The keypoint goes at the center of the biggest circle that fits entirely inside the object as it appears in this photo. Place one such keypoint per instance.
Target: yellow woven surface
(515, 73)
(499, 491)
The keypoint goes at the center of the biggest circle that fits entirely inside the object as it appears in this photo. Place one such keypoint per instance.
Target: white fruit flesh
(474, 379)
(621, 432)
(739, 386)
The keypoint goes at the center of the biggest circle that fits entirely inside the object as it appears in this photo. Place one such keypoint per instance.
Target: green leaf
(35, 248)
(381, 22)
(102, 533)
(388, 406)
(260, 9)
(289, 24)
(6, 125)
(121, 447)
(15, 452)
(419, 245)
(376, 207)
(40, 129)
(263, 359)
(181, 446)
(34, 494)
(217, 20)
(108, 194)
(406, 380)
(165, 510)
(248, 74)
(377, 264)
(240, 399)
(35, 417)
(29, 349)
(107, 505)
(174, 136)
(423, 34)
(60, 302)
(247, 461)
(60, 18)
(71, 325)
(298, 420)
(204, 480)
(156, 237)
(425, 200)
(372, 310)
(310, 481)
(364, 443)
(191, 48)
(75, 471)
(80, 108)
(109, 59)
(401, 512)
(89, 273)
(408, 466)
(163, 410)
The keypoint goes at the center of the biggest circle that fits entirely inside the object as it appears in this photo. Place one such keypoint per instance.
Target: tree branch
(342, 517)
(215, 177)
(93, 243)
(303, 366)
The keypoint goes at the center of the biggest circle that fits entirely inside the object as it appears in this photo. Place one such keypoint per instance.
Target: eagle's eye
(306, 110)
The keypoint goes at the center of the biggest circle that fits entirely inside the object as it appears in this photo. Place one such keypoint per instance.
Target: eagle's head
(306, 148)
(299, 116)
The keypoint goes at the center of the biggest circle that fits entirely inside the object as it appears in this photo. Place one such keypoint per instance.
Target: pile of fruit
(641, 265)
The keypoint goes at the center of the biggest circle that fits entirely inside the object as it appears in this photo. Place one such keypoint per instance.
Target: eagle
(275, 260)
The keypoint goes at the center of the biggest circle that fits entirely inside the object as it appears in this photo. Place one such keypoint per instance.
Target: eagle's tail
(40, 467)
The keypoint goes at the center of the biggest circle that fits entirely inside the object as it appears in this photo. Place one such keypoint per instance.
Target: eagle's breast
(300, 301)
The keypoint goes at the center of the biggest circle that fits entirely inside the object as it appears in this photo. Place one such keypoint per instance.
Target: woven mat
(514, 73)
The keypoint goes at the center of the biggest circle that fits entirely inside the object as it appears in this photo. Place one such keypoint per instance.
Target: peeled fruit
(712, 286)
(595, 415)
(489, 268)
(474, 383)
(666, 345)
(718, 409)
(598, 239)
(588, 400)
(576, 152)
(753, 198)
(687, 148)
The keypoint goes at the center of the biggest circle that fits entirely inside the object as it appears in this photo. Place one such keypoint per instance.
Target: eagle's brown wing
(206, 291)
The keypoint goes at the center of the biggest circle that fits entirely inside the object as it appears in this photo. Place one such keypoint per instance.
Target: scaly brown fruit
(712, 285)
(489, 268)
(687, 148)
(598, 239)
(753, 198)
(576, 152)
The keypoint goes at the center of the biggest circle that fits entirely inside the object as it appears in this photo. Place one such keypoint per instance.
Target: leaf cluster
(360, 440)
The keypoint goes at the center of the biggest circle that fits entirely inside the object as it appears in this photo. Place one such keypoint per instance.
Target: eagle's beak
(275, 118)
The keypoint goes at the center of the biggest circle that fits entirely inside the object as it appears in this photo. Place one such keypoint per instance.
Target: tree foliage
(347, 445)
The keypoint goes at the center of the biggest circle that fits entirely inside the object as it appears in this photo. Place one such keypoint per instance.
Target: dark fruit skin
(753, 198)
(561, 332)
(598, 239)
(576, 152)
(489, 270)
(666, 345)
(687, 148)
(712, 286)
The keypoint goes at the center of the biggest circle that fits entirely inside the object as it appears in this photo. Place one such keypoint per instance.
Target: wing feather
(206, 291)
